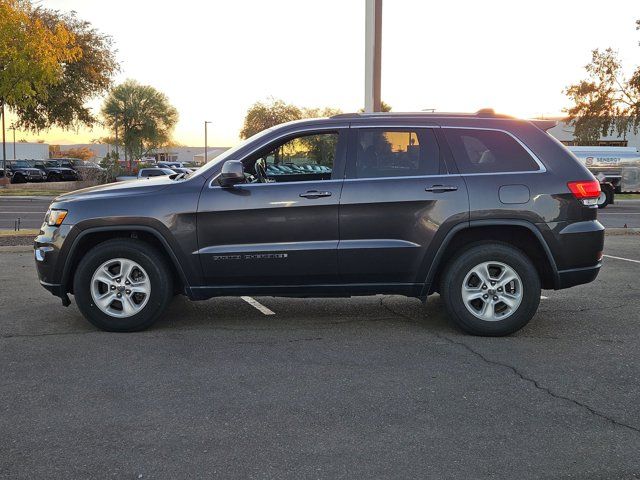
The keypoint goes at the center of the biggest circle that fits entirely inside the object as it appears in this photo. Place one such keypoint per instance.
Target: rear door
(397, 198)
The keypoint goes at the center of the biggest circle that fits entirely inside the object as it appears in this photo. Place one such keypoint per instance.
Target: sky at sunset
(214, 58)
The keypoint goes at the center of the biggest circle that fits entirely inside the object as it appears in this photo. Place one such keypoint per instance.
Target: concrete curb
(16, 248)
(622, 231)
(47, 198)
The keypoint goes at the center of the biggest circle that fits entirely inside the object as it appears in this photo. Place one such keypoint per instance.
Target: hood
(26, 169)
(118, 189)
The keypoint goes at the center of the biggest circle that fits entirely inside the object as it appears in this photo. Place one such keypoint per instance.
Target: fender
(116, 228)
(435, 264)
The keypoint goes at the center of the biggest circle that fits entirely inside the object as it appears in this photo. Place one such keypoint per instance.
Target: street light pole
(205, 142)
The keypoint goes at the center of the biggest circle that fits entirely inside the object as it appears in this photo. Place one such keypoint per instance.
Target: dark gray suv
(483, 209)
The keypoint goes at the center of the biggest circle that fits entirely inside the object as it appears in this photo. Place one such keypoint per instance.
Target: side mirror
(232, 173)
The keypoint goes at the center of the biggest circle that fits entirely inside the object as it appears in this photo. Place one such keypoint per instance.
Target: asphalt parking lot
(31, 211)
(368, 387)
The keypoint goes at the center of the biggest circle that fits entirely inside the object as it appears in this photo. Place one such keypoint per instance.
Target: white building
(212, 152)
(25, 151)
(564, 133)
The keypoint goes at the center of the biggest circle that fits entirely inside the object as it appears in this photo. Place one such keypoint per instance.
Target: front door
(280, 227)
(397, 201)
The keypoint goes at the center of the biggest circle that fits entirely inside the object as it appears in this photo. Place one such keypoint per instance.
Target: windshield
(227, 155)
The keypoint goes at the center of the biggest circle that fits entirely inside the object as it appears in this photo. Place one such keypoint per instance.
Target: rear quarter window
(488, 151)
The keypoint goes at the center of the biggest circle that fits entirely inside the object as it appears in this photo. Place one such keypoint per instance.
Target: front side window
(396, 153)
(488, 151)
(303, 158)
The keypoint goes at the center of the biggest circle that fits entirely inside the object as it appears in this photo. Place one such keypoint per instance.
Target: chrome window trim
(242, 185)
(542, 168)
(341, 126)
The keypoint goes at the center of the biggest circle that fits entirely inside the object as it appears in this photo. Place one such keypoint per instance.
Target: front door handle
(441, 188)
(315, 194)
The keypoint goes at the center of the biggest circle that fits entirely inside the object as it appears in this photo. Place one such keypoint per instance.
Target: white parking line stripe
(256, 304)
(622, 258)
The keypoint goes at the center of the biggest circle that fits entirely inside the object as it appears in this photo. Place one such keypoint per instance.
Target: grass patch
(627, 196)
(14, 192)
(20, 233)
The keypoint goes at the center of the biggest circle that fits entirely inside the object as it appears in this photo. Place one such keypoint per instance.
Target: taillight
(587, 191)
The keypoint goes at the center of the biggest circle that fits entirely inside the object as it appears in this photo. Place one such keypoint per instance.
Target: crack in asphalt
(521, 375)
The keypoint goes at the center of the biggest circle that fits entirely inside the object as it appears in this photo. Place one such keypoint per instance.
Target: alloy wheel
(492, 291)
(120, 287)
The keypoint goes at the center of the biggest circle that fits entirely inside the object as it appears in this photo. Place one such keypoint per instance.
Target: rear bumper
(577, 276)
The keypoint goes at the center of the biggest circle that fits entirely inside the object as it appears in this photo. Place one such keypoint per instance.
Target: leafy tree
(384, 107)
(263, 115)
(63, 103)
(140, 116)
(32, 55)
(605, 102)
(81, 153)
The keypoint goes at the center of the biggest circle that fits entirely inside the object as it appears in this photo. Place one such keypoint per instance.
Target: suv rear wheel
(123, 285)
(491, 289)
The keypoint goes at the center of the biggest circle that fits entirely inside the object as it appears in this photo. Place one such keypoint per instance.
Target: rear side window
(396, 153)
(488, 151)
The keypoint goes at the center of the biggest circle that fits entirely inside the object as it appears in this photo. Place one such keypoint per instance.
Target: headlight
(54, 218)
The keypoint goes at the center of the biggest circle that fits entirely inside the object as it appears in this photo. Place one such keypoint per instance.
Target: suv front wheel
(123, 285)
(491, 289)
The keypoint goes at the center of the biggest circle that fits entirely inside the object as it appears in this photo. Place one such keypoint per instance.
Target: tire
(137, 311)
(459, 276)
(606, 196)
(18, 178)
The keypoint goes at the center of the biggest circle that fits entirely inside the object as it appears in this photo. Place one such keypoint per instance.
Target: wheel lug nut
(495, 298)
(484, 287)
(119, 295)
(113, 287)
(499, 289)
(127, 282)
(128, 292)
(485, 296)
(118, 279)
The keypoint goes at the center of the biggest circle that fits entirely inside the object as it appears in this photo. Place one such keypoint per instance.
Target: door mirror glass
(232, 173)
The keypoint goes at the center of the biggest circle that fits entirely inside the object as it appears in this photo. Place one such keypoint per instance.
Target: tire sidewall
(460, 267)
(148, 259)
(608, 197)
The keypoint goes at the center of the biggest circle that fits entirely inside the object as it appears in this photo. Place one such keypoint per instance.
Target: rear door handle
(315, 194)
(441, 188)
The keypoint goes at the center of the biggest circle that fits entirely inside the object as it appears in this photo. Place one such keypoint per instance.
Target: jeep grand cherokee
(483, 209)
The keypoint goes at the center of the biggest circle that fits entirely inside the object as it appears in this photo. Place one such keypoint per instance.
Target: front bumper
(49, 257)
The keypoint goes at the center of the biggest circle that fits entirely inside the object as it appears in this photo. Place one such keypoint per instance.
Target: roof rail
(483, 113)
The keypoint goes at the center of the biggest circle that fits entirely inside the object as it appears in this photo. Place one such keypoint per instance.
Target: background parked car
(56, 173)
(182, 170)
(23, 171)
(147, 173)
(86, 170)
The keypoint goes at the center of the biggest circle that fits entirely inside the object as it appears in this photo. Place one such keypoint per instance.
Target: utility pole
(13, 127)
(116, 128)
(205, 142)
(4, 148)
(372, 55)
